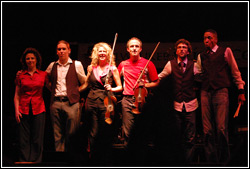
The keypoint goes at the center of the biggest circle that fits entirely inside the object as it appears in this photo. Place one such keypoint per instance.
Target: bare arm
(84, 86)
(118, 82)
(152, 84)
(18, 115)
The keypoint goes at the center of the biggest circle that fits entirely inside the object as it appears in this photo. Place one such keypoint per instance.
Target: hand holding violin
(140, 93)
(108, 87)
(109, 102)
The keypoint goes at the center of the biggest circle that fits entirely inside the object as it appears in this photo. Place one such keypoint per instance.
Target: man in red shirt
(131, 69)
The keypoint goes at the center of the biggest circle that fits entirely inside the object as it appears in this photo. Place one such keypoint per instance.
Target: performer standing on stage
(65, 75)
(100, 126)
(30, 106)
(218, 64)
(131, 69)
(183, 71)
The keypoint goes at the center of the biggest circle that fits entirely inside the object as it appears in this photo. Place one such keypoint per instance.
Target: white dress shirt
(191, 105)
(62, 70)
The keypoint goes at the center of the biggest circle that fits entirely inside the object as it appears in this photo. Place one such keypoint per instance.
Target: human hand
(18, 73)
(90, 68)
(18, 116)
(142, 83)
(241, 98)
(108, 87)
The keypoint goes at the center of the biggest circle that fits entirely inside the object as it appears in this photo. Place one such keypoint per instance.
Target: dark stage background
(42, 25)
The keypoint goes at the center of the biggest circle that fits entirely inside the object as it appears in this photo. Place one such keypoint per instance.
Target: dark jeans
(215, 108)
(134, 134)
(128, 117)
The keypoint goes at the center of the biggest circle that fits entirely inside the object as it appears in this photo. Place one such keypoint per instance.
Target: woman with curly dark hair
(30, 107)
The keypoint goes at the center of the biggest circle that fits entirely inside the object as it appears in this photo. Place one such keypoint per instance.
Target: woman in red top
(30, 107)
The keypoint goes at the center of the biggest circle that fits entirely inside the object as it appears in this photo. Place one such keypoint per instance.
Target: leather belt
(61, 98)
(128, 96)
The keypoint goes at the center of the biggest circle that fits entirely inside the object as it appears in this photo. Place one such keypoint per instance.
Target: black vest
(97, 89)
(183, 82)
(216, 70)
(72, 83)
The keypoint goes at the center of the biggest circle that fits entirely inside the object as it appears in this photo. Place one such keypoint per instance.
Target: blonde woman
(100, 132)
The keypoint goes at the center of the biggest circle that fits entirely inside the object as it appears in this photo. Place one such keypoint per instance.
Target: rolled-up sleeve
(80, 72)
(166, 71)
(229, 57)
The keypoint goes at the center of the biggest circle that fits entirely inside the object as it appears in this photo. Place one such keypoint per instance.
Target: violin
(140, 91)
(140, 94)
(110, 100)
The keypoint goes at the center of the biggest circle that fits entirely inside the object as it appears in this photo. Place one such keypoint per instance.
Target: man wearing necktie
(183, 71)
(218, 64)
(182, 65)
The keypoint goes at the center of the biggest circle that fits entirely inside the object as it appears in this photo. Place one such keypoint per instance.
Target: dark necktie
(209, 52)
(182, 64)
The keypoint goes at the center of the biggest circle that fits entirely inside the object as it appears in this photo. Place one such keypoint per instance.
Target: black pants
(101, 134)
(187, 127)
(31, 134)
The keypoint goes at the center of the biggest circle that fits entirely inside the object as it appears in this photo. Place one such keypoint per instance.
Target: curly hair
(37, 55)
(185, 42)
(94, 54)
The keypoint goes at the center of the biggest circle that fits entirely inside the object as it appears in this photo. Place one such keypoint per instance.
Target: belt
(61, 98)
(130, 96)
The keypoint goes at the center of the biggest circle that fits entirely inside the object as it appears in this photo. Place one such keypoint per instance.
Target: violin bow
(146, 65)
(110, 59)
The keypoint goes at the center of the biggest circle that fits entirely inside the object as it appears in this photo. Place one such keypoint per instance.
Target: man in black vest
(65, 77)
(218, 64)
(183, 71)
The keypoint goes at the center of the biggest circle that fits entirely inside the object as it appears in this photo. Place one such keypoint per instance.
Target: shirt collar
(215, 48)
(68, 62)
(185, 61)
(26, 71)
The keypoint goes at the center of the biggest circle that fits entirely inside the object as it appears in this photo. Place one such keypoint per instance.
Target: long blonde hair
(94, 54)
